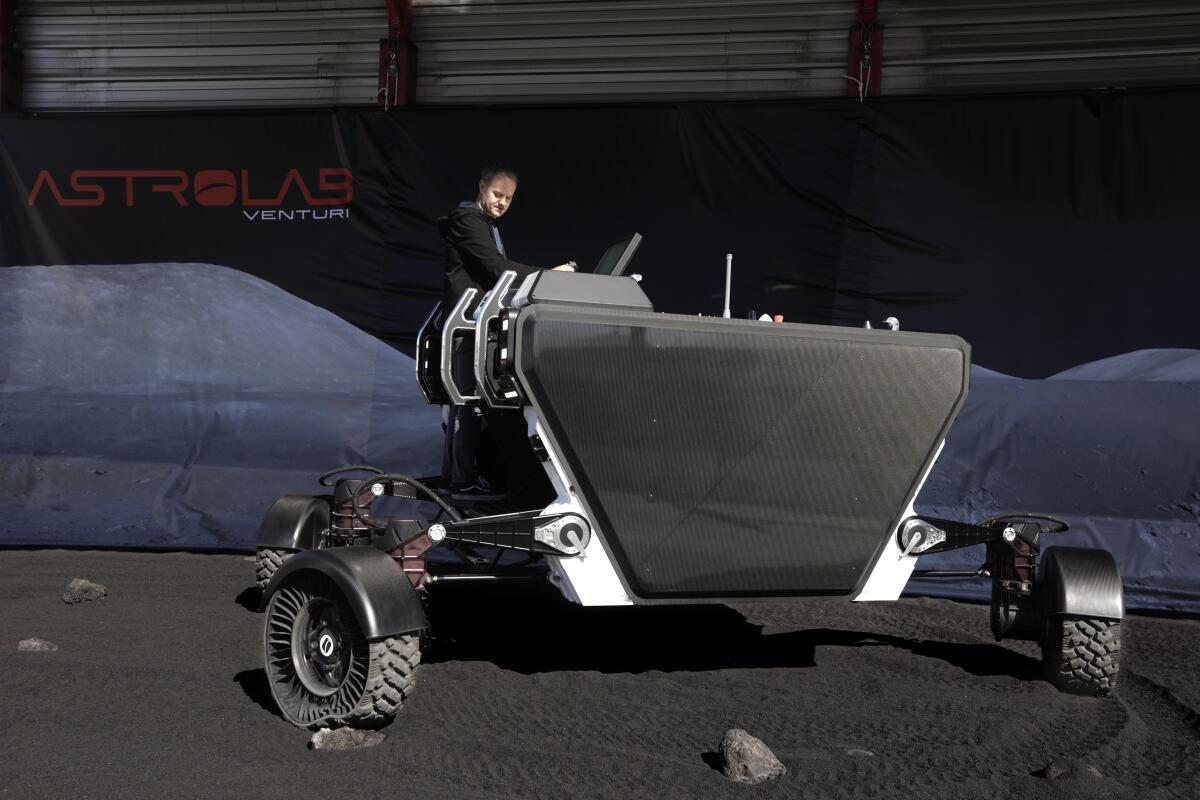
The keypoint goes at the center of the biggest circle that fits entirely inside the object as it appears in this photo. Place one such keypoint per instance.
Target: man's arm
(472, 235)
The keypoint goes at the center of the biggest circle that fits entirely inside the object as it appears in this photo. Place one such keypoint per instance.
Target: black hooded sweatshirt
(474, 253)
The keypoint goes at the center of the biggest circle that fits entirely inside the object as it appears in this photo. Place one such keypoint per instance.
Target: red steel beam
(398, 58)
(864, 68)
(10, 58)
(399, 17)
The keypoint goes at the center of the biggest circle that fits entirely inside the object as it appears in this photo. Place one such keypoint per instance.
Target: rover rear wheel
(1082, 656)
(267, 562)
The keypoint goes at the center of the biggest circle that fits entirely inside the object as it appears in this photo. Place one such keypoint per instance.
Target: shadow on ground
(533, 630)
(254, 684)
(249, 598)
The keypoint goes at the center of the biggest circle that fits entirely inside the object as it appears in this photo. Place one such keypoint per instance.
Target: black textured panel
(726, 458)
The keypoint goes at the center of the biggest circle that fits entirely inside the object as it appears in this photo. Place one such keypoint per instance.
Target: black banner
(169, 365)
(1048, 231)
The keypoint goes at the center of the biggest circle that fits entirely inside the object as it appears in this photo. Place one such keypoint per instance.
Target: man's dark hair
(492, 170)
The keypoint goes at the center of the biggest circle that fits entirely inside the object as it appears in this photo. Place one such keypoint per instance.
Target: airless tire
(322, 671)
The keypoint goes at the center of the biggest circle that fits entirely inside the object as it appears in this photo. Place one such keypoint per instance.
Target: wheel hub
(320, 647)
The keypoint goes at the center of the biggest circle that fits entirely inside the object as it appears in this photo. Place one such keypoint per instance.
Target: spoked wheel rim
(317, 657)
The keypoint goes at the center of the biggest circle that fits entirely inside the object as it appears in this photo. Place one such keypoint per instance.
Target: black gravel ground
(157, 691)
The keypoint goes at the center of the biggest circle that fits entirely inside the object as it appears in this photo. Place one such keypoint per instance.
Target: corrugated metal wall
(580, 50)
(986, 45)
(199, 53)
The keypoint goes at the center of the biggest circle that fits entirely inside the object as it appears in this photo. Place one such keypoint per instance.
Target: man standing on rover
(475, 257)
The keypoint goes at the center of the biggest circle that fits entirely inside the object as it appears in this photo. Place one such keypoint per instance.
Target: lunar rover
(672, 459)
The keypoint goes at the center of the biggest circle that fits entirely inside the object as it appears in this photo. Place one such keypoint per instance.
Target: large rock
(81, 590)
(747, 760)
(35, 645)
(344, 739)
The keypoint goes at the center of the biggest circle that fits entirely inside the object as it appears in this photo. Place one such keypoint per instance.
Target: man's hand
(565, 268)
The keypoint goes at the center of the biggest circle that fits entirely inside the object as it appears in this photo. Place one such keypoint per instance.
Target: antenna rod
(728, 272)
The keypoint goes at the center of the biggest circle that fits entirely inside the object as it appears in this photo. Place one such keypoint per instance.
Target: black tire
(300, 520)
(267, 562)
(1082, 656)
(322, 671)
(999, 616)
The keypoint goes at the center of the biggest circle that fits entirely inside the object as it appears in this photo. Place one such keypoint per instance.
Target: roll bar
(488, 311)
(456, 323)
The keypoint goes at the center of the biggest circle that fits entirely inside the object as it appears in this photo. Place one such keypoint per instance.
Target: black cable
(367, 484)
(357, 509)
(1026, 515)
(430, 493)
(355, 468)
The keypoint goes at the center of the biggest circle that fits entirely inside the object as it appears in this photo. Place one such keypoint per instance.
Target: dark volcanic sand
(157, 692)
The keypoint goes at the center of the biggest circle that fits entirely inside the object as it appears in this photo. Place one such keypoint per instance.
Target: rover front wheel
(322, 670)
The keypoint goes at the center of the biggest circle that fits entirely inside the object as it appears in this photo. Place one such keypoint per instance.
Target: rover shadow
(254, 684)
(532, 629)
(249, 598)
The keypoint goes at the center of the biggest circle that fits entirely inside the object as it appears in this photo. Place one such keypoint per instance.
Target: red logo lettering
(210, 187)
(215, 187)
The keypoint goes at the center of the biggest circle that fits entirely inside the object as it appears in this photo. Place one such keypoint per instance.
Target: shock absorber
(344, 527)
(1012, 562)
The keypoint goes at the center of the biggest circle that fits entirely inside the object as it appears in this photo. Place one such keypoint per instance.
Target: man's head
(497, 185)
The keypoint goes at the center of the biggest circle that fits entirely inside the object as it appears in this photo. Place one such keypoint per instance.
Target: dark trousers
(464, 425)
(511, 466)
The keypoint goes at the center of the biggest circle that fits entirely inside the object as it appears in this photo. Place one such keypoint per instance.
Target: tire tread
(391, 680)
(267, 561)
(1082, 656)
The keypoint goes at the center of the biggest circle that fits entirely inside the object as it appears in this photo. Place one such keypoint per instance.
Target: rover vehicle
(657, 458)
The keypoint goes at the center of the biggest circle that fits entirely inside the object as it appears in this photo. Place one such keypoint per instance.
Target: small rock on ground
(747, 760)
(344, 739)
(35, 645)
(80, 590)
(1068, 768)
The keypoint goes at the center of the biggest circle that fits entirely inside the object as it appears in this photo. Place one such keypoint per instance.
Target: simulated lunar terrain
(157, 690)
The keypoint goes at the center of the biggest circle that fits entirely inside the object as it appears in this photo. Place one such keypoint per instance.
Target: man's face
(497, 196)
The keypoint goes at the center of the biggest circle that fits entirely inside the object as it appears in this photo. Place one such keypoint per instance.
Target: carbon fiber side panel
(384, 602)
(725, 458)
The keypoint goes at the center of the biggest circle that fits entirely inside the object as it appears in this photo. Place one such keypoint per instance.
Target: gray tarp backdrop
(201, 312)
(167, 405)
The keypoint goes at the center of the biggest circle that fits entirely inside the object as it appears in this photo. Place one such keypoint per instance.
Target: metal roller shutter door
(588, 50)
(980, 46)
(202, 53)
(199, 53)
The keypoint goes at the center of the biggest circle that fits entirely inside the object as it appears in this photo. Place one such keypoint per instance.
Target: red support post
(10, 58)
(864, 69)
(398, 58)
